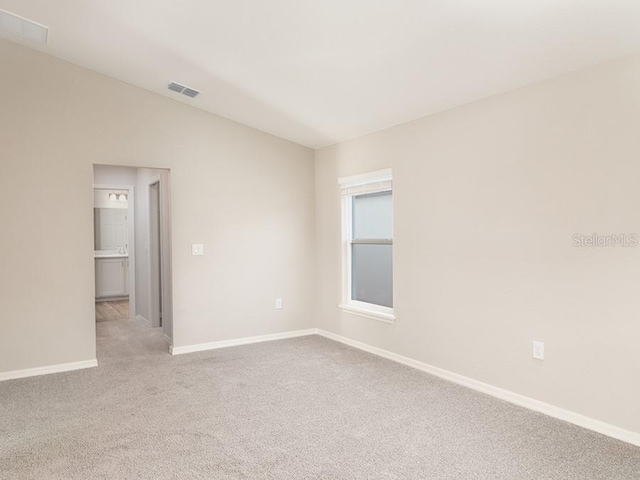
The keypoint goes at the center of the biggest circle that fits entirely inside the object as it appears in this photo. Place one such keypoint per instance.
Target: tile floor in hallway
(112, 310)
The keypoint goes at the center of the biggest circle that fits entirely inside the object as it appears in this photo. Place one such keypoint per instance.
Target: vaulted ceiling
(320, 71)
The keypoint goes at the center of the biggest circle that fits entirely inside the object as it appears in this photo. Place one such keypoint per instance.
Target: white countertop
(109, 254)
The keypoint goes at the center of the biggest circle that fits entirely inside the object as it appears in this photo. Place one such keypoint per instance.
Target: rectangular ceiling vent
(189, 92)
(22, 27)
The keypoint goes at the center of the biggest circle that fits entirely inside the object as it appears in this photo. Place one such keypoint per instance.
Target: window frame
(352, 186)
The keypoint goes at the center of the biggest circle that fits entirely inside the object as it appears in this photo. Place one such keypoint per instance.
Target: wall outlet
(278, 304)
(197, 249)
(538, 350)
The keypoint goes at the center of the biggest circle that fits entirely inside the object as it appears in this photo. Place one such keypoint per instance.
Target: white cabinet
(111, 277)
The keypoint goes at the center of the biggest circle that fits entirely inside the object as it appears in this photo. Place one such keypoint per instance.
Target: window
(367, 240)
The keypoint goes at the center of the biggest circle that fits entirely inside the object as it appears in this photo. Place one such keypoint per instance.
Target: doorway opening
(113, 221)
(132, 250)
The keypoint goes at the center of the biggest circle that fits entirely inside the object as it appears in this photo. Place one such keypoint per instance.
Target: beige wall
(487, 198)
(247, 196)
(114, 175)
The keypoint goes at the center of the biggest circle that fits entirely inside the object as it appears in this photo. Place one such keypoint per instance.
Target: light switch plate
(197, 249)
(538, 350)
(278, 304)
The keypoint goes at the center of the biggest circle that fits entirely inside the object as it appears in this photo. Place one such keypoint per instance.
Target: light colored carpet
(305, 408)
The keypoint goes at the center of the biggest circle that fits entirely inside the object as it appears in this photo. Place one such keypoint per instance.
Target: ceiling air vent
(16, 25)
(189, 92)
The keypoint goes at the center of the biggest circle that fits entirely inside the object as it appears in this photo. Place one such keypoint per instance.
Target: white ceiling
(320, 71)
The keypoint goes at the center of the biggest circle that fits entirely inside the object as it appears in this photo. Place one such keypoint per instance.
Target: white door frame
(155, 242)
(131, 235)
(164, 227)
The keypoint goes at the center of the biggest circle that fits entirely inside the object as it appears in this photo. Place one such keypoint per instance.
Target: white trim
(364, 178)
(62, 367)
(241, 341)
(511, 397)
(143, 319)
(370, 187)
(162, 179)
(153, 292)
(368, 310)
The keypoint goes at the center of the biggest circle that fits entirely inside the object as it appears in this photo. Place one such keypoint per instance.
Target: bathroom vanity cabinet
(111, 276)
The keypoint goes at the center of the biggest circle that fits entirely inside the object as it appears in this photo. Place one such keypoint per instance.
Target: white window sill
(384, 314)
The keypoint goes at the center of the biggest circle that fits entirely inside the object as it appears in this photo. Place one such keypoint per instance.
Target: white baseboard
(515, 398)
(241, 341)
(33, 372)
